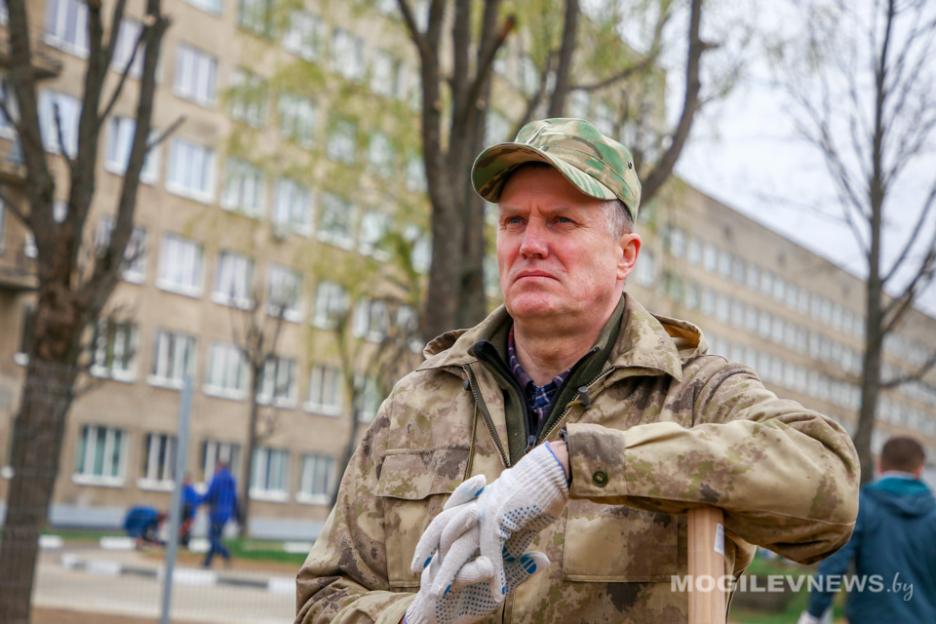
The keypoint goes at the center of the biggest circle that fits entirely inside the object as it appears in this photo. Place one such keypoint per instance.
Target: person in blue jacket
(221, 499)
(893, 547)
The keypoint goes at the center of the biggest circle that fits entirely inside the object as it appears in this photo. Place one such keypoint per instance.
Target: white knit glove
(456, 532)
(503, 521)
(464, 604)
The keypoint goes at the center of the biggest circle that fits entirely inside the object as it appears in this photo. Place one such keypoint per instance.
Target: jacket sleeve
(786, 477)
(344, 578)
(835, 566)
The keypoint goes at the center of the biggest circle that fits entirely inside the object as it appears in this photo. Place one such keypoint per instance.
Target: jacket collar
(645, 341)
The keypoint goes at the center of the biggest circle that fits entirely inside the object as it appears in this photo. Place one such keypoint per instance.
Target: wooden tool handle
(706, 566)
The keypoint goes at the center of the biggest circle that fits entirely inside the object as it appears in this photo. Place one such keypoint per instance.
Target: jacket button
(600, 478)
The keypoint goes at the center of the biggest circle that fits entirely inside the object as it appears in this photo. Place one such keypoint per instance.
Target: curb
(192, 577)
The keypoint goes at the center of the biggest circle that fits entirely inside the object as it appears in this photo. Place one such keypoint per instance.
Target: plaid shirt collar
(539, 399)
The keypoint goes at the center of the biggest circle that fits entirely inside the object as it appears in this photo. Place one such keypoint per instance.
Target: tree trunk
(37, 440)
(256, 376)
(350, 444)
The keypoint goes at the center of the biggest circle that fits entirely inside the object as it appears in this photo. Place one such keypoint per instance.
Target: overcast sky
(745, 152)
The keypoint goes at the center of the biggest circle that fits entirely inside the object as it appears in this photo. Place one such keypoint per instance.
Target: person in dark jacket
(221, 499)
(190, 502)
(893, 547)
(142, 523)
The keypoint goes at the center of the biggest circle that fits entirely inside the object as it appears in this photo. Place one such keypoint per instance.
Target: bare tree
(455, 103)
(67, 299)
(864, 99)
(257, 328)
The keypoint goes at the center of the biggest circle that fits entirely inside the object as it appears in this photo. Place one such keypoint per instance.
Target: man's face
(555, 253)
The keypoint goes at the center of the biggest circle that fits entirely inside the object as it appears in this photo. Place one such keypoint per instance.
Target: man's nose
(534, 242)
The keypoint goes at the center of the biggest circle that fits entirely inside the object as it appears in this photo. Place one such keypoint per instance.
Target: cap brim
(490, 171)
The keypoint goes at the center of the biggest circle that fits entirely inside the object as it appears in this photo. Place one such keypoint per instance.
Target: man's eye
(564, 220)
(513, 220)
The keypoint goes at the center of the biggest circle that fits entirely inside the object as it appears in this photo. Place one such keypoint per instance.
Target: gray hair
(619, 218)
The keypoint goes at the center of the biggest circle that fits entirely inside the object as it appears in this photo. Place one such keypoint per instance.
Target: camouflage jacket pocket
(613, 543)
(413, 486)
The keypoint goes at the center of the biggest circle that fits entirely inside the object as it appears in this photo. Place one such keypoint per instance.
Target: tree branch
(484, 67)
(165, 134)
(914, 234)
(916, 375)
(413, 28)
(566, 54)
(124, 73)
(60, 133)
(654, 180)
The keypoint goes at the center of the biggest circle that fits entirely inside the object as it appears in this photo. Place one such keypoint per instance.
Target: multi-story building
(297, 152)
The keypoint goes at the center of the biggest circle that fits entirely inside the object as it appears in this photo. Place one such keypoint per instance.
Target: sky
(744, 151)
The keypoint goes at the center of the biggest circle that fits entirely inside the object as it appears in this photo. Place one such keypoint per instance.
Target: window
(256, 16)
(739, 271)
(196, 74)
(244, 188)
(677, 242)
(371, 320)
(528, 75)
(284, 290)
(173, 358)
(645, 271)
(342, 142)
(270, 474)
(331, 302)
(386, 76)
(126, 41)
(496, 128)
(27, 334)
(159, 458)
(212, 6)
(367, 401)
(278, 381)
(214, 452)
(722, 308)
(6, 94)
(134, 254)
(248, 98)
(710, 257)
(695, 251)
(180, 265)
(227, 371)
(69, 111)
(191, 170)
(115, 349)
(708, 302)
(347, 54)
(724, 264)
(303, 36)
(66, 25)
(374, 227)
(380, 154)
(315, 483)
(324, 390)
(293, 209)
(119, 141)
(336, 221)
(296, 119)
(233, 280)
(579, 104)
(753, 277)
(693, 295)
(416, 175)
(100, 455)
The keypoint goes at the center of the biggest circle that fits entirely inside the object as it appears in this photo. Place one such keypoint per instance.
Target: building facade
(282, 175)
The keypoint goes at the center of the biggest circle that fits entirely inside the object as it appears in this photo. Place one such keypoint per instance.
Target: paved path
(95, 590)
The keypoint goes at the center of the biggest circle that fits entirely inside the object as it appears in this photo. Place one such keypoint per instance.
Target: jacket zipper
(488, 421)
(545, 434)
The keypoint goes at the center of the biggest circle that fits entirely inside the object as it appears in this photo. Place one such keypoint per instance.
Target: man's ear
(630, 249)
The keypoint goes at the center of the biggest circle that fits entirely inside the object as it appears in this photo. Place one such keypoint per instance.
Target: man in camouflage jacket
(652, 424)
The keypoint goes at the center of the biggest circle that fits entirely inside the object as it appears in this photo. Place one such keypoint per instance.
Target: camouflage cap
(597, 165)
